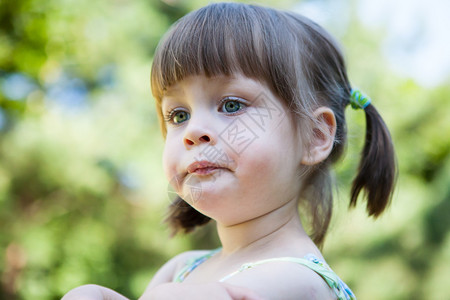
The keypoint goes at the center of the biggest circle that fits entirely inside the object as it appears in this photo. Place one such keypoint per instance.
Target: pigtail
(377, 170)
(183, 217)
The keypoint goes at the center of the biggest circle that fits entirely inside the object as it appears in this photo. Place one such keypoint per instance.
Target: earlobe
(322, 137)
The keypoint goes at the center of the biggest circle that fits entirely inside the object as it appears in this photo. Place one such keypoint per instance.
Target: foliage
(82, 196)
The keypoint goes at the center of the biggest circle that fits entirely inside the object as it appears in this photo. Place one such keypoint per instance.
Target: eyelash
(168, 118)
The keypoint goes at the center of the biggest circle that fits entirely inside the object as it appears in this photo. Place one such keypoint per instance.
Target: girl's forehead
(235, 80)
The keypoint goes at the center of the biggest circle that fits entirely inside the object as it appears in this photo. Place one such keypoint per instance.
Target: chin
(203, 202)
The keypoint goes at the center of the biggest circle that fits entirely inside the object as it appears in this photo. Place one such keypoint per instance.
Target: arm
(96, 292)
(283, 280)
(92, 292)
(204, 291)
(162, 288)
(166, 273)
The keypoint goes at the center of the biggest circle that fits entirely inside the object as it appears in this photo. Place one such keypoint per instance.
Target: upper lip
(201, 165)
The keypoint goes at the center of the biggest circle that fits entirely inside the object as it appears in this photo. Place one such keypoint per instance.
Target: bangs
(219, 39)
(289, 53)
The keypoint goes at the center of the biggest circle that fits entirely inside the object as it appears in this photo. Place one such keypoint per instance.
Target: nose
(198, 133)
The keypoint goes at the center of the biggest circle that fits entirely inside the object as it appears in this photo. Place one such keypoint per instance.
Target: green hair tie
(358, 99)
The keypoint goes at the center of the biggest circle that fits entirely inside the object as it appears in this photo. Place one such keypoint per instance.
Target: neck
(263, 230)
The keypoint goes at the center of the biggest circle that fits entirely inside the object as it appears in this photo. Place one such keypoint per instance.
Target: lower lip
(206, 171)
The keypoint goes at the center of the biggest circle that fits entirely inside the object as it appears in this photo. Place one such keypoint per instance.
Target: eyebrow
(171, 91)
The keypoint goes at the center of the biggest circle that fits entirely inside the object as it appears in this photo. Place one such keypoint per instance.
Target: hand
(206, 291)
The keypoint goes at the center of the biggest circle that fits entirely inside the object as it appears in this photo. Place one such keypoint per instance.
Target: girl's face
(231, 149)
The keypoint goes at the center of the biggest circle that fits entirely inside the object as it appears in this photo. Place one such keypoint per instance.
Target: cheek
(259, 165)
(169, 159)
(272, 162)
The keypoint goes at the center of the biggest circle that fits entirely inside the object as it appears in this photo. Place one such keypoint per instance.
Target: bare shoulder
(284, 280)
(173, 266)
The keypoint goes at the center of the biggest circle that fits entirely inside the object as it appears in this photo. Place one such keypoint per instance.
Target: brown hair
(303, 66)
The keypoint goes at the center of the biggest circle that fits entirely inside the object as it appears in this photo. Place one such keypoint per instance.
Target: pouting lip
(203, 164)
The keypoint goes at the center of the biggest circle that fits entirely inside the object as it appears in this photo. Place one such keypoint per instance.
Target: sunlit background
(82, 193)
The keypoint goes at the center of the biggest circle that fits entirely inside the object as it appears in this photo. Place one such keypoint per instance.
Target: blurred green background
(82, 193)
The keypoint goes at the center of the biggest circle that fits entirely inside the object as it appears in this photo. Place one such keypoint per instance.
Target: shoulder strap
(341, 290)
(191, 264)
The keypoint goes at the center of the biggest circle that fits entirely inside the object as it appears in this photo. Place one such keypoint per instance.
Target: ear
(322, 137)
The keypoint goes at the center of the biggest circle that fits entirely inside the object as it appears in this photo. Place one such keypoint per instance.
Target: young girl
(252, 104)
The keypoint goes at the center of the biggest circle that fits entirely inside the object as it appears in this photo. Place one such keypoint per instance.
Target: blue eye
(177, 116)
(231, 105)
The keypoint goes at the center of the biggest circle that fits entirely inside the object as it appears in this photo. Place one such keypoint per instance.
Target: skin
(252, 194)
(247, 181)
